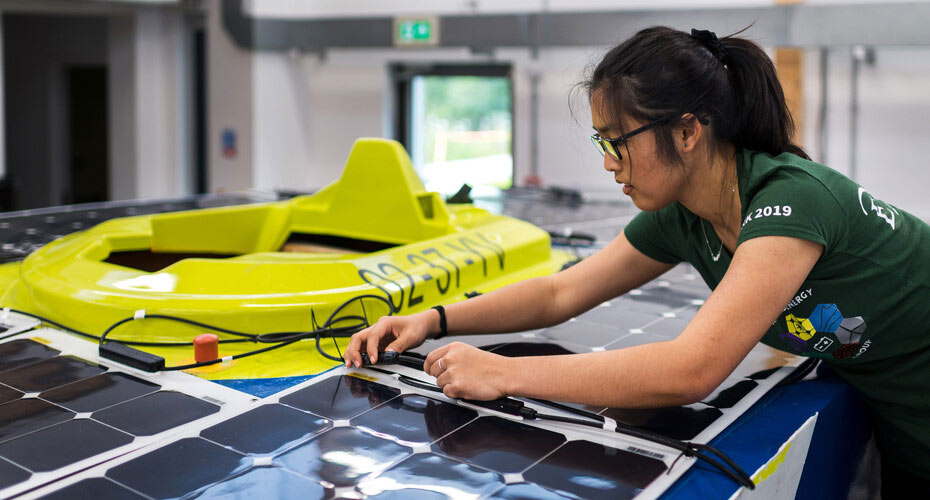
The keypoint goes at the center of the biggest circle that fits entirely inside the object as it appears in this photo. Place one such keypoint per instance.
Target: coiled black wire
(277, 339)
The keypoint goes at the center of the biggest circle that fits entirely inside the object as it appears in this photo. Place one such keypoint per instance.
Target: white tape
(6, 313)
(610, 424)
(139, 314)
(227, 359)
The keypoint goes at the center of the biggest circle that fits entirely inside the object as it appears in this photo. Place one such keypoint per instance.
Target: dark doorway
(200, 110)
(88, 132)
(55, 111)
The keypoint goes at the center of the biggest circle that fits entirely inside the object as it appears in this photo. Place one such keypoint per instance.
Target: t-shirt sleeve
(794, 204)
(653, 233)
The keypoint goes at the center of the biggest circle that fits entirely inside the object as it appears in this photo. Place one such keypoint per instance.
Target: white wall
(229, 92)
(309, 111)
(292, 9)
(162, 160)
(894, 129)
(307, 114)
(150, 133)
(894, 101)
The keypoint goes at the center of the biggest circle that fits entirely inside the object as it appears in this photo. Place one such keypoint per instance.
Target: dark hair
(730, 82)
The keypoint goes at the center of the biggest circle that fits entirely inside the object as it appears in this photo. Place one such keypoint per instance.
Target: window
(457, 125)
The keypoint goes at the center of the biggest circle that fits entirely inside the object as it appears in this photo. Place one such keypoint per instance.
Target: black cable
(282, 339)
(516, 407)
(800, 372)
(191, 322)
(226, 359)
(365, 323)
(279, 339)
(97, 337)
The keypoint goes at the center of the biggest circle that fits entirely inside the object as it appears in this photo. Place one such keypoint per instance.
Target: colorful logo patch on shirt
(826, 332)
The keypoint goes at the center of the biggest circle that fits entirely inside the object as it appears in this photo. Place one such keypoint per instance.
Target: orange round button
(206, 347)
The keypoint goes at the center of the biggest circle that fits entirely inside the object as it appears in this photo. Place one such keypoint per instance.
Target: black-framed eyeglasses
(612, 146)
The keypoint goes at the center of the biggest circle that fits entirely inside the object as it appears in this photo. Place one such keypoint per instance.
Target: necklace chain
(710, 250)
(706, 240)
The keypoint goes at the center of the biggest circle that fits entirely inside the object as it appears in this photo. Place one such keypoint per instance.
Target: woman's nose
(611, 164)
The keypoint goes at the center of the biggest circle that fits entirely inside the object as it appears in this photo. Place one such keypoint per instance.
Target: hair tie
(709, 40)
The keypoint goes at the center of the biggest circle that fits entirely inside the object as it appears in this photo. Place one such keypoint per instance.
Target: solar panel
(364, 434)
(63, 410)
(354, 433)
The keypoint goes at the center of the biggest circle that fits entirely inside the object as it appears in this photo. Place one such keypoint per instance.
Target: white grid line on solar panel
(232, 402)
(571, 432)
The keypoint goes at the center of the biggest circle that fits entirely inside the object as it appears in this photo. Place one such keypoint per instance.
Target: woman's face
(650, 183)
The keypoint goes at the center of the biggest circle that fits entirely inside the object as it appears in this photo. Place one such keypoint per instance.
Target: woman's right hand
(390, 333)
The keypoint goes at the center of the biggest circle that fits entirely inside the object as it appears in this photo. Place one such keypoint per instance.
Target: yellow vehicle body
(375, 231)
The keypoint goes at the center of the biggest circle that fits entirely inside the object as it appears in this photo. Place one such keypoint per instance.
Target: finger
(434, 356)
(437, 368)
(354, 347)
(443, 379)
(400, 344)
(374, 339)
(450, 391)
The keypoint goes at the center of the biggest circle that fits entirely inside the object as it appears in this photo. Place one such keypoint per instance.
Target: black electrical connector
(509, 406)
(384, 358)
(122, 353)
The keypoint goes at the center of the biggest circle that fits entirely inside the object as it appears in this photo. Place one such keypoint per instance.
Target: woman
(798, 256)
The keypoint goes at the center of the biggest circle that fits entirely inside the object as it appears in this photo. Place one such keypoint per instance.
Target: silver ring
(441, 369)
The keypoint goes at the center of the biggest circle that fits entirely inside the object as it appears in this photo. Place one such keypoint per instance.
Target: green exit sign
(416, 31)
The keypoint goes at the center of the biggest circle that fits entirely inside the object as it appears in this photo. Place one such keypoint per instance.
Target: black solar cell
(340, 397)
(8, 394)
(414, 420)
(23, 352)
(500, 445)
(97, 488)
(525, 491)
(179, 468)
(677, 422)
(26, 415)
(342, 456)
(63, 444)
(541, 348)
(727, 395)
(594, 471)
(49, 373)
(101, 391)
(266, 429)
(265, 482)
(621, 316)
(426, 472)
(585, 333)
(11, 474)
(155, 413)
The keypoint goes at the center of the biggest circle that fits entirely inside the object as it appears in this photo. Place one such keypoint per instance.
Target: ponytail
(730, 82)
(761, 119)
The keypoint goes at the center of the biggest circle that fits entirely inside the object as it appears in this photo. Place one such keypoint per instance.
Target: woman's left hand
(466, 372)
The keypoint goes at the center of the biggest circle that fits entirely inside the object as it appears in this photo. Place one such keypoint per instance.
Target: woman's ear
(690, 133)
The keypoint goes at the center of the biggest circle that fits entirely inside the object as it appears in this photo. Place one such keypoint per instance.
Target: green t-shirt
(864, 307)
